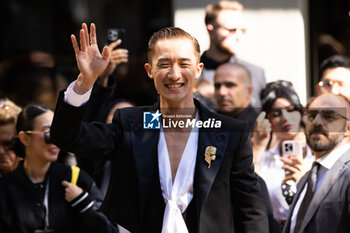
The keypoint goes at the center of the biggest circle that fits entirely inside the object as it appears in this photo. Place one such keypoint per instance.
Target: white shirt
(273, 174)
(326, 162)
(75, 99)
(178, 194)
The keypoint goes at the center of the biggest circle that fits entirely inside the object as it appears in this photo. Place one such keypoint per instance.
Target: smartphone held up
(114, 34)
(292, 148)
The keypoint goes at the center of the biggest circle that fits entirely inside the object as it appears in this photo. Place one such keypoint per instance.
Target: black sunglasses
(47, 136)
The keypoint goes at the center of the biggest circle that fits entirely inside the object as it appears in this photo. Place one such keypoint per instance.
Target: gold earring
(195, 82)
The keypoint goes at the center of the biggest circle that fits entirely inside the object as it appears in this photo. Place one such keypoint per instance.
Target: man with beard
(224, 23)
(322, 202)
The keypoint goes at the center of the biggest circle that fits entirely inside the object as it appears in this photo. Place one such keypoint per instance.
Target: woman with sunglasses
(280, 120)
(34, 197)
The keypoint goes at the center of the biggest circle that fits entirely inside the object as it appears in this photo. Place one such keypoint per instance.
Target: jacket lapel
(145, 144)
(204, 176)
(330, 179)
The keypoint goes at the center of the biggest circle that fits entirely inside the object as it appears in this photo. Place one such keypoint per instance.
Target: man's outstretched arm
(67, 131)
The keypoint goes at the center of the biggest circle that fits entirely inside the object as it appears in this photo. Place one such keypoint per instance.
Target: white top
(326, 162)
(179, 194)
(273, 174)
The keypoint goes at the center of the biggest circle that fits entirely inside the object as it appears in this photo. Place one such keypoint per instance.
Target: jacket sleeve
(98, 103)
(92, 140)
(87, 205)
(90, 218)
(250, 212)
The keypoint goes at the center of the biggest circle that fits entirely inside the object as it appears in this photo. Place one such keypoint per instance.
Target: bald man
(233, 89)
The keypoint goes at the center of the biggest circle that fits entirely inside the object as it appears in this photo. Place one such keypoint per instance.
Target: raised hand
(91, 62)
(262, 130)
(260, 139)
(117, 57)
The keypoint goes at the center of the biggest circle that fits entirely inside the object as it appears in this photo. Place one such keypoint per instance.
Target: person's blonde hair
(8, 112)
(212, 10)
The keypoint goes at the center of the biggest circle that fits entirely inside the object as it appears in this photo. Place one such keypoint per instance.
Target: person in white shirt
(280, 120)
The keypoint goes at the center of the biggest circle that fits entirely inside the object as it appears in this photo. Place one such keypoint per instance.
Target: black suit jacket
(226, 195)
(329, 210)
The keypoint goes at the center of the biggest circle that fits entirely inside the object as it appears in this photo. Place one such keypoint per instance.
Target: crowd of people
(266, 163)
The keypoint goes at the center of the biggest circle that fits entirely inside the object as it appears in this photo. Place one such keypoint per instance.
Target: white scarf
(179, 194)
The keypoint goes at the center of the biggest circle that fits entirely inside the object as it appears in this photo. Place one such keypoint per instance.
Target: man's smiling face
(174, 67)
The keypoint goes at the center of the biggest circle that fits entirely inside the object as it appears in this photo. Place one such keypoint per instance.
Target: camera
(288, 147)
(292, 147)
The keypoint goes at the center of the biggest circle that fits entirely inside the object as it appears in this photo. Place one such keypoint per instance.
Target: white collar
(329, 159)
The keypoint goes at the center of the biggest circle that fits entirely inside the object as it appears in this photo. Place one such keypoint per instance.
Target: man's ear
(347, 129)
(210, 27)
(148, 69)
(318, 89)
(200, 67)
(23, 137)
(250, 90)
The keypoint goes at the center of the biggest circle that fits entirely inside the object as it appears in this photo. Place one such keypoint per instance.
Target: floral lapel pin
(210, 154)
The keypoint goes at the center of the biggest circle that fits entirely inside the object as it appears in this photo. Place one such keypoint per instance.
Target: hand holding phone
(114, 34)
(115, 40)
(292, 157)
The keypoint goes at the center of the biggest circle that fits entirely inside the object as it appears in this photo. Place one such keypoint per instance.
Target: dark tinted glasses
(46, 134)
(327, 115)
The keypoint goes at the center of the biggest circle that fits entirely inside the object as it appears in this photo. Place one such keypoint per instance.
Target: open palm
(91, 62)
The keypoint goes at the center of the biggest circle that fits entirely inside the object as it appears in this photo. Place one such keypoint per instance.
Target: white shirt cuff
(75, 99)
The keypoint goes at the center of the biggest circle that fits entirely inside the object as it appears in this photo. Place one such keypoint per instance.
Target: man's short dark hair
(171, 33)
(334, 62)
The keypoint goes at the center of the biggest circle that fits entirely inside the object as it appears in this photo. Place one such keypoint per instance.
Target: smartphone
(292, 147)
(114, 34)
